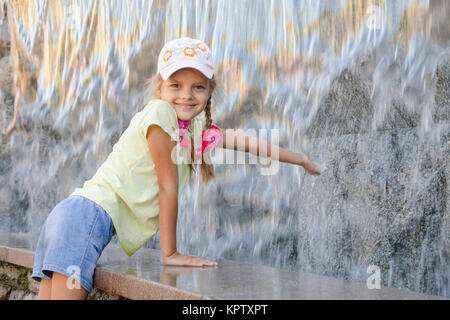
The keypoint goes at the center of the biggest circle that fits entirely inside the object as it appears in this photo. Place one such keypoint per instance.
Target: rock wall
(15, 281)
(6, 115)
(384, 179)
(16, 284)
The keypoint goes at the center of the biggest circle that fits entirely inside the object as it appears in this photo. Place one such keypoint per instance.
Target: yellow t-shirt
(126, 184)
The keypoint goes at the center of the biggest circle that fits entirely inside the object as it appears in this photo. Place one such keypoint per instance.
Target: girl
(135, 191)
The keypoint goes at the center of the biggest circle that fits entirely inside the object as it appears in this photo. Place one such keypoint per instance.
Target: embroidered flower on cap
(185, 53)
(201, 47)
(190, 52)
(167, 55)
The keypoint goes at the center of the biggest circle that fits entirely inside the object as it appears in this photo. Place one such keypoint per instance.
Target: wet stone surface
(230, 280)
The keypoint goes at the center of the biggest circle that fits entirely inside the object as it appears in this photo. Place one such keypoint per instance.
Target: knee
(67, 288)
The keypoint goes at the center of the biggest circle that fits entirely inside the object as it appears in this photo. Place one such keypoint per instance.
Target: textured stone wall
(402, 187)
(7, 197)
(16, 284)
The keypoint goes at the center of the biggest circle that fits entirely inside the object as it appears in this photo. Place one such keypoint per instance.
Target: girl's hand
(312, 168)
(177, 259)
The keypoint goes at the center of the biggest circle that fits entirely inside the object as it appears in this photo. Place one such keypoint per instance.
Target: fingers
(200, 262)
(192, 261)
(321, 168)
(316, 169)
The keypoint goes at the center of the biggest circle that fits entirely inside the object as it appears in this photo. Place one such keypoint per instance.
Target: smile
(186, 106)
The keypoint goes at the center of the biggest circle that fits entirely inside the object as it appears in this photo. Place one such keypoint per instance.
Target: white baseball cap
(185, 53)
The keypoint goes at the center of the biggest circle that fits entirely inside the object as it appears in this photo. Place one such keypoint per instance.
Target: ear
(158, 91)
(157, 83)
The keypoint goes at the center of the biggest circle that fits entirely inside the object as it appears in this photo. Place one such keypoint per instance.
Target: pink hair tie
(210, 138)
(184, 127)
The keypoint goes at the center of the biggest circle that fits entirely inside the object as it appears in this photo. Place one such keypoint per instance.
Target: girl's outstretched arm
(239, 141)
(161, 145)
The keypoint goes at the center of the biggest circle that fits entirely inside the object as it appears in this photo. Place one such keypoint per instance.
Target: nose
(186, 94)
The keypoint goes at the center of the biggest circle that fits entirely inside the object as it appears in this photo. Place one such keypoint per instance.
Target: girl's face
(188, 91)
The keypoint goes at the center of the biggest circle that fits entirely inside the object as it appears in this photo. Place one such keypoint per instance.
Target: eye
(200, 87)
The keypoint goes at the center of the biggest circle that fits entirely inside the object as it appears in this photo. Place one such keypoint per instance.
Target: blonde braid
(207, 170)
(208, 114)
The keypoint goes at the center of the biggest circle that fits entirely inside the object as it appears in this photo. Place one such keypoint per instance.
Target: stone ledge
(142, 276)
(16, 284)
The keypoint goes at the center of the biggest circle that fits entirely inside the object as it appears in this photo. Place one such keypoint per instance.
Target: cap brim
(167, 72)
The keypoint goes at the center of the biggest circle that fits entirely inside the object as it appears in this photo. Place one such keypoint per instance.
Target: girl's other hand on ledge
(177, 259)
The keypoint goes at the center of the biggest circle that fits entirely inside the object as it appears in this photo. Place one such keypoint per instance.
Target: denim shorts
(71, 240)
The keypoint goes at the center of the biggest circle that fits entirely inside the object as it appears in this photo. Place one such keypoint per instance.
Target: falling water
(363, 85)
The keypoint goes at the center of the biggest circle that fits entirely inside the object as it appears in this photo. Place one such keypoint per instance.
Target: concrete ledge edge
(109, 281)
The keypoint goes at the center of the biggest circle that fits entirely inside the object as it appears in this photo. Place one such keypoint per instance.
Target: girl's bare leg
(62, 291)
(45, 289)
